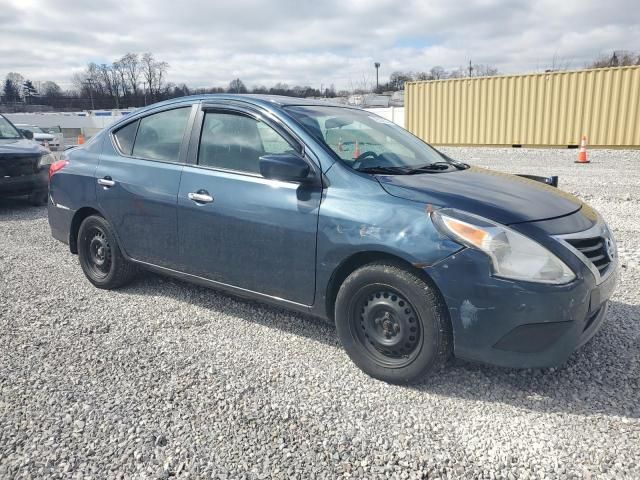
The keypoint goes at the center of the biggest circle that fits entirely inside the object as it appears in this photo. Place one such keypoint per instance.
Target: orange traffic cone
(356, 152)
(80, 139)
(582, 153)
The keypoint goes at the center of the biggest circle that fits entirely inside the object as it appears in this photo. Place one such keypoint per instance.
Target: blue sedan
(339, 213)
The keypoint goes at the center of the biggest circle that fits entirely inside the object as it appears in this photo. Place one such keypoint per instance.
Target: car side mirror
(27, 134)
(287, 167)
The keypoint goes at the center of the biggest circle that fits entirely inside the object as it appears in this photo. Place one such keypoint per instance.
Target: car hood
(19, 146)
(501, 197)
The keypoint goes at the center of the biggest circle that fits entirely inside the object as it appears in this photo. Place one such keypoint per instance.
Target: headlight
(513, 255)
(46, 159)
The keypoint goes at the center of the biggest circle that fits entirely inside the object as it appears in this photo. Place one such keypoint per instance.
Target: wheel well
(79, 216)
(358, 260)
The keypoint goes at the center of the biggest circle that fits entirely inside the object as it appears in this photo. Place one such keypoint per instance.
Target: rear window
(160, 135)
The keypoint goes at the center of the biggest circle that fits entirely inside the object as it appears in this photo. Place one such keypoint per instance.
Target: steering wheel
(368, 155)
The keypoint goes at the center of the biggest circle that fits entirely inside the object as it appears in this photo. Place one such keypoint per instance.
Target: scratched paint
(468, 314)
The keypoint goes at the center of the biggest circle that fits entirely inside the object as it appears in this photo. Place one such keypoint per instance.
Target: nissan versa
(337, 212)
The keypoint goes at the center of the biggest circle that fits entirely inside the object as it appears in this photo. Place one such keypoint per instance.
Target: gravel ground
(166, 379)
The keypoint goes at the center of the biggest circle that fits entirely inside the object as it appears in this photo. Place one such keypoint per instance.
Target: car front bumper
(518, 324)
(24, 184)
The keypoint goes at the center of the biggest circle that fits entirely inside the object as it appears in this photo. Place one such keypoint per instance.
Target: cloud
(309, 42)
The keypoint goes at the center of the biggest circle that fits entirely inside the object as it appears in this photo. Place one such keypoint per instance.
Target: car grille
(17, 165)
(595, 249)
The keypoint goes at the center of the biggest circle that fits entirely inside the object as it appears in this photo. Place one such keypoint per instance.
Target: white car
(40, 136)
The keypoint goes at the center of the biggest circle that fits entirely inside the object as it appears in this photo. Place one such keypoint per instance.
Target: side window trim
(184, 143)
(259, 117)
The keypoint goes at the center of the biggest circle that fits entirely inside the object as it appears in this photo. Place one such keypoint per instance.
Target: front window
(233, 141)
(367, 142)
(7, 130)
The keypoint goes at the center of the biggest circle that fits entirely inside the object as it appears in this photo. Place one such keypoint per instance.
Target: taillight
(57, 166)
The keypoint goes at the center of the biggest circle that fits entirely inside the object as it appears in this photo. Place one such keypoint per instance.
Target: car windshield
(32, 128)
(367, 142)
(7, 130)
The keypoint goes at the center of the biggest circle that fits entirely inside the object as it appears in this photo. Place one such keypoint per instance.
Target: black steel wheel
(100, 257)
(99, 260)
(386, 325)
(392, 323)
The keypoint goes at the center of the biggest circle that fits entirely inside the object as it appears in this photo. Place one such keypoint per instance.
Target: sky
(209, 43)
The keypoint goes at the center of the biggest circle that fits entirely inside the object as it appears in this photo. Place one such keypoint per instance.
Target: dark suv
(339, 213)
(24, 164)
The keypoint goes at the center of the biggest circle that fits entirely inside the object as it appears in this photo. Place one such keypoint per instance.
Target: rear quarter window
(125, 137)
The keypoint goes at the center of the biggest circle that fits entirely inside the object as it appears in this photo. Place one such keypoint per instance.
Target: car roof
(276, 101)
(263, 100)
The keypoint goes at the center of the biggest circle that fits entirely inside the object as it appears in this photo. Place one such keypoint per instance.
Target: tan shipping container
(542, 109)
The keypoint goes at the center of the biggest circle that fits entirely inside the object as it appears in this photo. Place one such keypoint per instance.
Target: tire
(392, 323)
(100, 257)
(39, 198)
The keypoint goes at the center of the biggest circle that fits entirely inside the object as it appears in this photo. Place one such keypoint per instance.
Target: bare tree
(619, 58)
(131, 66)
(109, 81)
(438, 73)
(482, 70)
(161, 71)
(237, 86)
(148, 71)
(119, 70)
(50, 89)
(17, 81)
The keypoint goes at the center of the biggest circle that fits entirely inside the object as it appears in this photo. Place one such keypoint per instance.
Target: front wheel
(100, 257)
(392, 323)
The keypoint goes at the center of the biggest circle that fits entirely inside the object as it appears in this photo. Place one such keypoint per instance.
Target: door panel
(141, 206)
(256, 234)
(139, 195)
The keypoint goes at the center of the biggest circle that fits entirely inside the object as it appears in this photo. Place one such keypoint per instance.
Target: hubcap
(387, 326)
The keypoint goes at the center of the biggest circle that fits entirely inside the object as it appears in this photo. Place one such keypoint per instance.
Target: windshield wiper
(410, 170)
(385, 170)
(443, 166)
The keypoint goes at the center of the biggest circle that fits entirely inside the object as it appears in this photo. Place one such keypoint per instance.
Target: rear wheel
(392, 323)
(100, 257)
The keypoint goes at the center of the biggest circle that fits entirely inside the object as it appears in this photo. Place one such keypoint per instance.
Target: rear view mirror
(336, 122)
(287, 167)
(27, 134)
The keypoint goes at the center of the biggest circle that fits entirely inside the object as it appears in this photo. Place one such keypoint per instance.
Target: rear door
(138, 180)
(236, 227)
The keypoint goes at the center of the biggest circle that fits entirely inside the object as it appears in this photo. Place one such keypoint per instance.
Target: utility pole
(377, 65)
(470, 68)
(89, 82)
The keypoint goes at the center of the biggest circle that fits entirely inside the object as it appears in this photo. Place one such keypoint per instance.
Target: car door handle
(200, 197)
(106, 182)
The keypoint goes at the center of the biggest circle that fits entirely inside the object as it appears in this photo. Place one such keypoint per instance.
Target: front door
(138, 181)
(238, 228)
